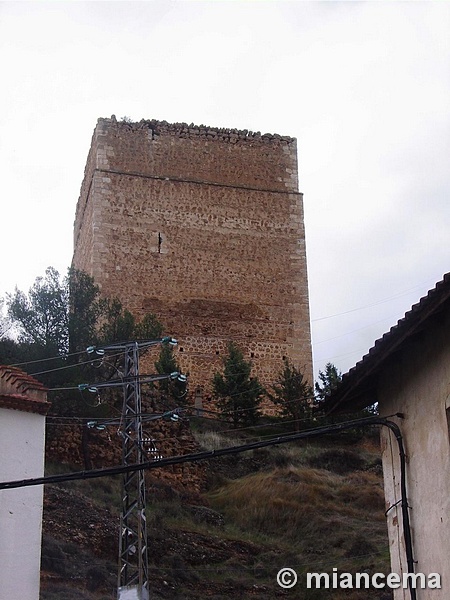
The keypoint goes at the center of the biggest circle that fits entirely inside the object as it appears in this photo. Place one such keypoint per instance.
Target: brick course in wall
(203, 227)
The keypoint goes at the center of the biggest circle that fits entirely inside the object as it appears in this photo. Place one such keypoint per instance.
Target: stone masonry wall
(203, 227)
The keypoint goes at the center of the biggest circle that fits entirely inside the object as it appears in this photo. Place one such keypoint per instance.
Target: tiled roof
(24, 404)
(357, 387)
(21, 391)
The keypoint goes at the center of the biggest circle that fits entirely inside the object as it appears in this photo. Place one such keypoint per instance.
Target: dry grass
(305, 490)
(313, 512)
(214, 440)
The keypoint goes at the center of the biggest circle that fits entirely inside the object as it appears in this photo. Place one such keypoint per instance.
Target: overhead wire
(154, 416)
(382, 301)
(194, 457)
(260, 388)
(110, 382)
(85, 362)
(356, 330)
(39, 360)
(361, 352)
(218, 413)
(59, 356)
(64, 356)
(150, 416)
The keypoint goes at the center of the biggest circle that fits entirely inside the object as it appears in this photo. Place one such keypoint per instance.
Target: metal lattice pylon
(136, 449)
(133, 561)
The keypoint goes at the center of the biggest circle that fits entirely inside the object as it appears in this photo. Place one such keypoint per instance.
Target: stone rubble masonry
(203, 227)
(65, 445)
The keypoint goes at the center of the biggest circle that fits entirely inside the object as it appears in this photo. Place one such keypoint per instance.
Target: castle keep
(203, 227)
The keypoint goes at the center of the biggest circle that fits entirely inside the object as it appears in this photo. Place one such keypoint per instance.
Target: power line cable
(149, 378)
(355, 330)
(95, 473)
(382, 301)
(85, 362)
(39, 360)
(204, 410)
(89, 350)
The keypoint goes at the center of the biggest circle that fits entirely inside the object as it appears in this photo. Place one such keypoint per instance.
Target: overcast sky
(363, 86)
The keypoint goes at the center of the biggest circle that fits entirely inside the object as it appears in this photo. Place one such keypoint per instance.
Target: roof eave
(359, 385)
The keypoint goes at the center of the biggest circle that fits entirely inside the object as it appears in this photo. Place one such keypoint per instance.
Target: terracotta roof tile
(21, 391)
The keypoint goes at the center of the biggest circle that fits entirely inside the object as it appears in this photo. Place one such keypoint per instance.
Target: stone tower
(203, 227)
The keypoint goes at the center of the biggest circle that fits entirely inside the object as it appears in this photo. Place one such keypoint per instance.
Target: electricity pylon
(132, 581)
(133, 560)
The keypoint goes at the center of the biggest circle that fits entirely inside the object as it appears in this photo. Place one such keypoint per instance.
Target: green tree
(328, 381)
(55, 322)
(173, 390)
(294, 395)
(58, 319)
(239, 395)
(10, 352)
(65, 315)
(149, 328)
(118, 324)
(5, 324)
(41, 317)
(85, 309)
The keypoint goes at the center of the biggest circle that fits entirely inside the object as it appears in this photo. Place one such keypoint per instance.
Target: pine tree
(173, 390)
(239, 395)
(294, 395)
(329, 379)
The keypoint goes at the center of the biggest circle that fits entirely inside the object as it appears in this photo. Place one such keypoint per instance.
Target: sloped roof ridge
(21, 391)
(20, 379)
(438, 294)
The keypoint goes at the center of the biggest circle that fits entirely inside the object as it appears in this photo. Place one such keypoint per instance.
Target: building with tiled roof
(23, 406)
(407, 372)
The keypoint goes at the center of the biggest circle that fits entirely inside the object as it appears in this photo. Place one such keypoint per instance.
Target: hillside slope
(310, 507)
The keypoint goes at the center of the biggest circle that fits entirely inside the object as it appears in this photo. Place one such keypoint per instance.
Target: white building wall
(417, 384)
(22, 437)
